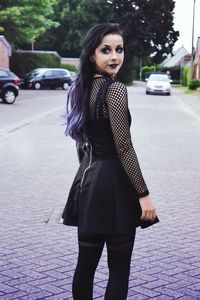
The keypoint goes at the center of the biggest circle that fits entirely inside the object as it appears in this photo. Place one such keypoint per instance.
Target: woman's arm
(118, 113)
(117, 101)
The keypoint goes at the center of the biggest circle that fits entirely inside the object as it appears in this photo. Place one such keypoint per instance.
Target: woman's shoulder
(117, 83)
(117, 87)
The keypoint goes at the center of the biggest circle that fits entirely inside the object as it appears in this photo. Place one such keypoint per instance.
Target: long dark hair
(79, 92)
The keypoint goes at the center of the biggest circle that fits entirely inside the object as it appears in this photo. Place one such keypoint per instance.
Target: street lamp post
(32, 43)
(192, 35)
(140, 61)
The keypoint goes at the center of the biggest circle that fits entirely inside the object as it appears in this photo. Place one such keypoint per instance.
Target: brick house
(5, 52)
(196, 63)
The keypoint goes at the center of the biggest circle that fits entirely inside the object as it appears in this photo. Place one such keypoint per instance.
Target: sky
(183, 16)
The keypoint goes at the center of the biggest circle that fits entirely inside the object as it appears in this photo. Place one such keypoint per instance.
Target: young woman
(108, 198)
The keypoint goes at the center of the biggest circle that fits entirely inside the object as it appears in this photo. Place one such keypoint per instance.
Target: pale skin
(108, 57)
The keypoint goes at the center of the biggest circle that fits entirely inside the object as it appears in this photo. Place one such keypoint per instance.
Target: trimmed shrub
(69, 67)
(186, 76)
(174, 73)
(194, 84)
(146, 71)
(23, 62)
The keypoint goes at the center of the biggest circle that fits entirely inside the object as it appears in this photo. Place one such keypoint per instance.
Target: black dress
(104, 196)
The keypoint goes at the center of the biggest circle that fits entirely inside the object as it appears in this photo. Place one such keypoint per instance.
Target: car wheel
(65, 86)
(37, 86)
(147, 93)
(9, 96)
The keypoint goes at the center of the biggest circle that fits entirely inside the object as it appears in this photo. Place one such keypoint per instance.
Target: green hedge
(194, 84)
(186, 76)
(176, 81)
(23, 62)
(173, 72)
(69, 67)
(146, 71)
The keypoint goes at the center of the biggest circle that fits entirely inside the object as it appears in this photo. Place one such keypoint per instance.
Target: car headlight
(150, 87)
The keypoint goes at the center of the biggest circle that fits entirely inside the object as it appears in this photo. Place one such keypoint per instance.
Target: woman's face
(109, 55)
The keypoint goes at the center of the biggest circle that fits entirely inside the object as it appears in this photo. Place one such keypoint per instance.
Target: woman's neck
(102, 74)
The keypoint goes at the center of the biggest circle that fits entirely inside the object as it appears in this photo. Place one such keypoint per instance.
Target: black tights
(119, 249)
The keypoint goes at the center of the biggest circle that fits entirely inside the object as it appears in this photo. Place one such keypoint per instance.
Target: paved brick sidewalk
(37, 165)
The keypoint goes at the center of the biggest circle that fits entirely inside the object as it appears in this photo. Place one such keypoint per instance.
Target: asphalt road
(37, 166)
(29, 106)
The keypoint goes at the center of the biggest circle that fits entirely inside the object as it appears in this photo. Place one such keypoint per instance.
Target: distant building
(196, 63)
(176, 59)
(5, 52)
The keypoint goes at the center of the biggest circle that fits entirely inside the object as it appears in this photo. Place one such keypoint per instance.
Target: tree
(23, 21)
(75, 18)
(147, 24)
(148, 28)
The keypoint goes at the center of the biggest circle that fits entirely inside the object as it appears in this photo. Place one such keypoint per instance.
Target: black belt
(100, 150)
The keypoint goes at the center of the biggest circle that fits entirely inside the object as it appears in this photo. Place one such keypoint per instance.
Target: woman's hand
(148, 210)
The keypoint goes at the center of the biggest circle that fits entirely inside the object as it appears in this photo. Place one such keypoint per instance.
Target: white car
(158, 84)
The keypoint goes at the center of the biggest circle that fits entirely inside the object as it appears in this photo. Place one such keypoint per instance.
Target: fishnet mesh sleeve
(117, 101)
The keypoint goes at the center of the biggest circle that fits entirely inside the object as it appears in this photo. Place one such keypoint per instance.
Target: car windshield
(34, 73)
(159, 77)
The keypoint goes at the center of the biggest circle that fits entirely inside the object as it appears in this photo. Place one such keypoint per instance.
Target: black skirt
(102, 198)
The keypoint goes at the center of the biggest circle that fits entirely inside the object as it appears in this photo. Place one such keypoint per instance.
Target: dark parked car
(73, 75)
(9, 83)
(46, 77)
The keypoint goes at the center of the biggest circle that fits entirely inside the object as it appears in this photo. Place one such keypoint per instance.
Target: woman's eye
(120, 49)
(105, 50)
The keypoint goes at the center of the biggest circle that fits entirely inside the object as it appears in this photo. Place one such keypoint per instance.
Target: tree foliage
(75, 18)
(147, 25)
(23, 21)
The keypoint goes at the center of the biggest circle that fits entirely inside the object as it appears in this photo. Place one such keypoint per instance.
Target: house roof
(175, 59)
(6, 44)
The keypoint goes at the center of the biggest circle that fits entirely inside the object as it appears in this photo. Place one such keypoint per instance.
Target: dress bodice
(108, 127)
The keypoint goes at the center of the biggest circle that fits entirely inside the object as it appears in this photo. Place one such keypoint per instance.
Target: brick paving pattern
(37, 165)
